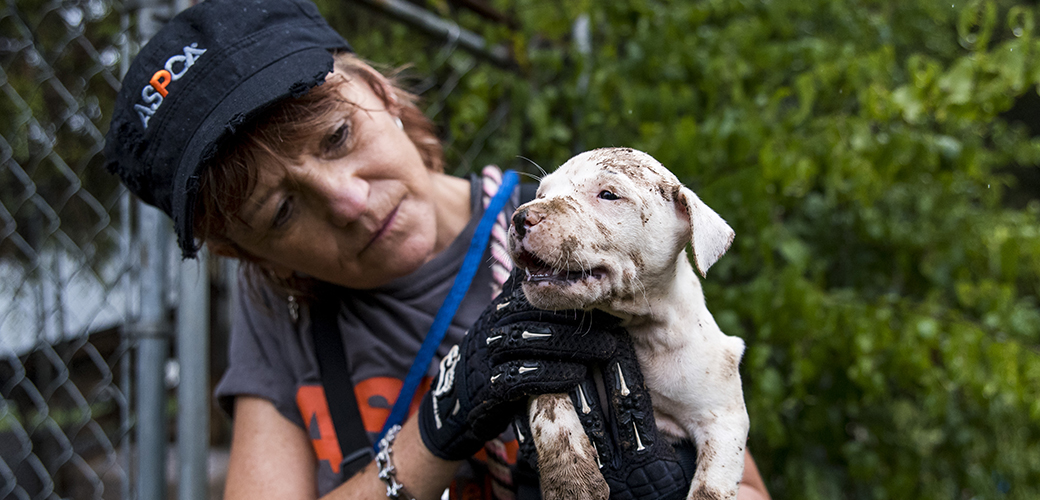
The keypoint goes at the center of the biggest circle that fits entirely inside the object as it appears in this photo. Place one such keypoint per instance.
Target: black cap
(204, 73)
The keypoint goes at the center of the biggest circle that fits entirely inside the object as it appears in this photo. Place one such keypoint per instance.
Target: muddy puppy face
(607, 226)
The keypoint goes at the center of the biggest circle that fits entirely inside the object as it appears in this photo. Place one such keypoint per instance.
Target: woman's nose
(342, 192)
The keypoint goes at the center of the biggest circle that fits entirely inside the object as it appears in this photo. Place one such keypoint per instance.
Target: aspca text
(156, 90)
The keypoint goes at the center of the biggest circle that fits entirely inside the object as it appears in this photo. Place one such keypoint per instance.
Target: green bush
(884, 277)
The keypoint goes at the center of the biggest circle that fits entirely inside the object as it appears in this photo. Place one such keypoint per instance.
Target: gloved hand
(635, 460)
(512, 352)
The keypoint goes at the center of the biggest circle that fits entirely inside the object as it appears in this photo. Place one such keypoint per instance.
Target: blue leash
(451, 304)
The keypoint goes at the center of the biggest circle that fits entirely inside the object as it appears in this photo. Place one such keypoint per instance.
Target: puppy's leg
(720, 454)
(566, 458)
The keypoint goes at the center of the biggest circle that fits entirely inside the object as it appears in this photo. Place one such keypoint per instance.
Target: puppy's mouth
(538, 271)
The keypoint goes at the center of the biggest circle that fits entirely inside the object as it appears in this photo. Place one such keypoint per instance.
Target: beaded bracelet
(387, 472)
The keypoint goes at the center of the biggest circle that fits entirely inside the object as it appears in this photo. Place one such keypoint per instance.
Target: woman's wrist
(423, 475)
(385, 466)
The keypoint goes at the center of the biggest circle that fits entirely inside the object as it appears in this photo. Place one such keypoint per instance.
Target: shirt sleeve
(260, 353)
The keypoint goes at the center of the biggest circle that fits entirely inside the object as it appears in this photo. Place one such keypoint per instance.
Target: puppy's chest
(666, 368)
(672, 399)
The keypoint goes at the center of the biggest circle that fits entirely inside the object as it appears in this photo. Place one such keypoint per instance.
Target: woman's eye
(337, 139)
(608, 195)
(283, 214)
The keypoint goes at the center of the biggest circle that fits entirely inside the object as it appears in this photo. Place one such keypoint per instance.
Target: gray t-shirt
(272, 357)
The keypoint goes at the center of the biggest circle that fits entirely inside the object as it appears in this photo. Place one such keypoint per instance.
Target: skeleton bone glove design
(514, 351)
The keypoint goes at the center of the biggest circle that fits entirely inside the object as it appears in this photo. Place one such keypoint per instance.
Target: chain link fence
(72, 276)
(65, 266)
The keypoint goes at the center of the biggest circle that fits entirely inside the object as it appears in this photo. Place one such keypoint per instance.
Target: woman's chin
(386, 265)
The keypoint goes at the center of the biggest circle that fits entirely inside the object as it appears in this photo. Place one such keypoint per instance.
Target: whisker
(584, 269)
(589, 329)
(540, 169)
(642, 288)
(528, 174)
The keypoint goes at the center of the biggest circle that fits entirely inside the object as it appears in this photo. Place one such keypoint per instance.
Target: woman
(324, 178)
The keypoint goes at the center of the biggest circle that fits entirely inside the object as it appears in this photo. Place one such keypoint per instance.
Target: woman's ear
(393, 105)
(382, 87)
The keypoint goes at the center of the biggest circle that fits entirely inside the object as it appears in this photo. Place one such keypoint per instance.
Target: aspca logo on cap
(154, 93)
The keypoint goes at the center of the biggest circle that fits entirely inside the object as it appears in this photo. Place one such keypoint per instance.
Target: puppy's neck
(672, 305)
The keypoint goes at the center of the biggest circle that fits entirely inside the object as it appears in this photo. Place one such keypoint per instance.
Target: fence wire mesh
(69, 278)
(63, 253)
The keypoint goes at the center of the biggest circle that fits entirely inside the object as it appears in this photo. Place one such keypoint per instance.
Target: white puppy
(608, 230)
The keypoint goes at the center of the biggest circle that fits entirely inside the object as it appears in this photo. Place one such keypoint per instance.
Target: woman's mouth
(383, 228)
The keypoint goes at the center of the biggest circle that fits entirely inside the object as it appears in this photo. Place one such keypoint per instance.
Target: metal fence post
(152, 347)
(193, 389)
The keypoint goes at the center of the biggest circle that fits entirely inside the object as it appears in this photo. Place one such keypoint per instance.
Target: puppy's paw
(576, 481)
(704, 492)
(567, 463)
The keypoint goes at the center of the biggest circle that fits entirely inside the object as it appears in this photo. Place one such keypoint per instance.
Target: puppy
(608, 230)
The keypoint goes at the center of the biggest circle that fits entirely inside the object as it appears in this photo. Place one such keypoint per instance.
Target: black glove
(514, 351)
(635, 460)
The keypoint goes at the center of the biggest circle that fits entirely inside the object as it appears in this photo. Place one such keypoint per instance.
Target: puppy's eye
(608, 195)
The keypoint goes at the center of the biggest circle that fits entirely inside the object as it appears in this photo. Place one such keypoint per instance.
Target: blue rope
(451, 304)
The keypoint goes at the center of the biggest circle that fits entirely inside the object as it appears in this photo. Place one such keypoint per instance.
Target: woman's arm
(752, 487)
(272, 458)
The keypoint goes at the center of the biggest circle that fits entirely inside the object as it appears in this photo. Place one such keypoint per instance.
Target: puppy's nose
(526, 217)
(520, 222)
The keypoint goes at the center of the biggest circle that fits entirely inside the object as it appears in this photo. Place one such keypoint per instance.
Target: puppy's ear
(710, 234)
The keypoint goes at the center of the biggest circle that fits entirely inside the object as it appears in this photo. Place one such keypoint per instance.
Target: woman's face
(359, 212)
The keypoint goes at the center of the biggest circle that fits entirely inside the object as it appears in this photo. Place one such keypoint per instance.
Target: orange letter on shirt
(376, 396)
(314, 407)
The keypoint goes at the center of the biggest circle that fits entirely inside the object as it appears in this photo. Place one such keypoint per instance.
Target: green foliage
(888, 291)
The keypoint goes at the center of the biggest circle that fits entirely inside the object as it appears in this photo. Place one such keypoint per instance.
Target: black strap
(338, 385)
